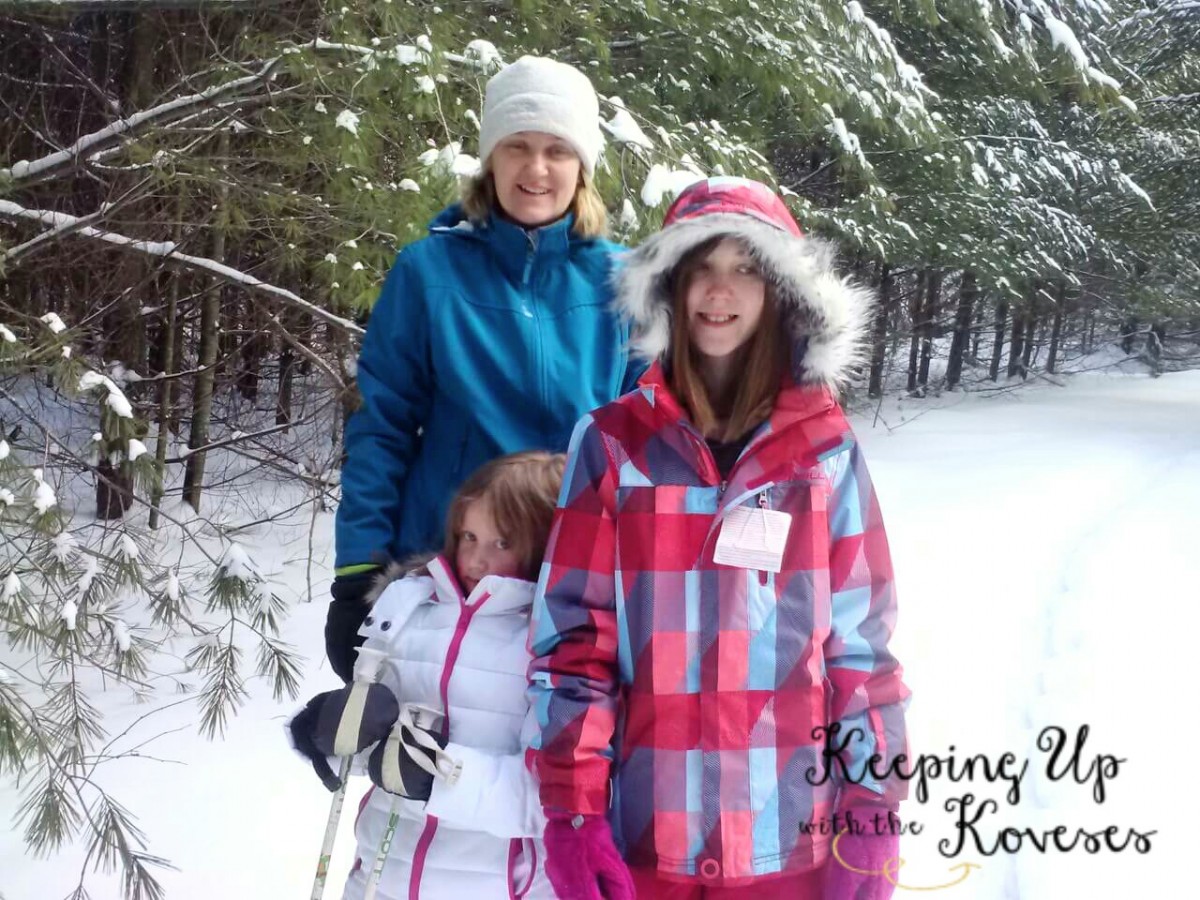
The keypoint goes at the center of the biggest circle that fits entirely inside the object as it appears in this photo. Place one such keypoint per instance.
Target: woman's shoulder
(600, 252)
(449, 229)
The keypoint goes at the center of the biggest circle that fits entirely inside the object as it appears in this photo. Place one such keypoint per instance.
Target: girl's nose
(720, 287)
(474, 564)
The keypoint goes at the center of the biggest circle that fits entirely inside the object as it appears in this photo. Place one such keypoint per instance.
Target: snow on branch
(1174, 9)
(167, 250)
(48, 166)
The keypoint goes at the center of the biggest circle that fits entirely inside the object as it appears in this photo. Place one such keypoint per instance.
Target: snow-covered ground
(1045, 545)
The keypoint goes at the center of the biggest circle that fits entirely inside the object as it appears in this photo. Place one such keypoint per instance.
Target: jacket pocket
(522, 866)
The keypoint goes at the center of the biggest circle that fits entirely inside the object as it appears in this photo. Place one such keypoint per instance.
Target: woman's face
(482, 549)
(536, 175)
(724, 300)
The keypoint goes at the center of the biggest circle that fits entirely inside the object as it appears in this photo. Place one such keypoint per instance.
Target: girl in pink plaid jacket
(712, 680)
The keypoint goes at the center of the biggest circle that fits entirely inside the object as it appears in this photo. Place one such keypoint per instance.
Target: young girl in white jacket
(454, 630)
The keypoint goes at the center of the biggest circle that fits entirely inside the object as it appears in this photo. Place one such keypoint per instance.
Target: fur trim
(828, 314)
(393, 571)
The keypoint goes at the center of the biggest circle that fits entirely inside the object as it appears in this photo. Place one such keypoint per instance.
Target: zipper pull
(762, 500)
(531, 239)
(721, 489)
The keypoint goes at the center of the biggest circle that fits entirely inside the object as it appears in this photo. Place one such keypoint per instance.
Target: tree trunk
(1016, 344)
(114, 491)
(1056, 329)
(977, 322)
(1128, 335)
(1028, 355)
(933, 300)
(253, 348)
(998, 339)
(1031, 316)
(210, 316)
(967, 292)
(167, 350)
(287, 372)
(879, 346)
(915, 319)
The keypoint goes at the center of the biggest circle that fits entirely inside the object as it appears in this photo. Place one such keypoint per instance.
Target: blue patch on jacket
(487, 340)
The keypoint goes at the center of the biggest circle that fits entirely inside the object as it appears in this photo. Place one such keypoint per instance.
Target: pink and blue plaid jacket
(696, 687)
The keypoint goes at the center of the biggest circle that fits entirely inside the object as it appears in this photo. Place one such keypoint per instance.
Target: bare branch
(23, 173)
(166, 250)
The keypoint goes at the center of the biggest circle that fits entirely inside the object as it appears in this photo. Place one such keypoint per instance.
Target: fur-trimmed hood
(826, 313)
(505, 594)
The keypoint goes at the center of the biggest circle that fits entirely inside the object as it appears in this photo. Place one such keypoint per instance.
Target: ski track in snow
(1044, 543)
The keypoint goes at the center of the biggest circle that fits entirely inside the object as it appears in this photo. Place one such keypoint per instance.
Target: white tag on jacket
(753, 538)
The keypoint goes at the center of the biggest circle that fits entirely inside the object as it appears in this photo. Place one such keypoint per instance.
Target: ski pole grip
(368, 665)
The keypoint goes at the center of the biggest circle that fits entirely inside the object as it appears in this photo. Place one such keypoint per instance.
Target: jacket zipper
(763, 504)
(466, 613)
(531, 239)
(531, 311)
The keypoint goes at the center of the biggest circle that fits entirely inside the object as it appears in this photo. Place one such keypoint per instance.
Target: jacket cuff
(356, 569)
(459, 802)
(855, 795)
(575, 799)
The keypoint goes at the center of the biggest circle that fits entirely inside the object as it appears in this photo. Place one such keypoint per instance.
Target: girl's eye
(466, 536)
(502, 544)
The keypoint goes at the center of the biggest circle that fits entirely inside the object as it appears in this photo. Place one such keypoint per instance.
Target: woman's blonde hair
(763, 359)
(591, 218)
(521, 490)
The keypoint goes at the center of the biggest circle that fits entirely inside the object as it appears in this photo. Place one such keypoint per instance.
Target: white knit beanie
(539, 94)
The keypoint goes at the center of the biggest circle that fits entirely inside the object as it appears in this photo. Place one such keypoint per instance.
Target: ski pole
(366, 673)
(385, 847)
(412, 716)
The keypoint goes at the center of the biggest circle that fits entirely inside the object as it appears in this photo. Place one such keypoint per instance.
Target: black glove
(405, 763)
(345, 617)
(315, 728)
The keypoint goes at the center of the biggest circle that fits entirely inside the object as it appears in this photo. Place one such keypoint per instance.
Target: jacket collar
(808, 414)
(514, 247)
(493, 595)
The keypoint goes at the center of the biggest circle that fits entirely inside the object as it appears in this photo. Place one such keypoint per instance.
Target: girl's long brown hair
(522, 491)
(763, 360)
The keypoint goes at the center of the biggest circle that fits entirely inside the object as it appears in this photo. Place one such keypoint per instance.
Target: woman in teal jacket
(492, 335)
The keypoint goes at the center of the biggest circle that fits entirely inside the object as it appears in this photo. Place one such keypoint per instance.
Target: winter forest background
(199, 201)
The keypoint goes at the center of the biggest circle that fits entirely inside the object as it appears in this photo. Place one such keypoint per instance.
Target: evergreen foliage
(199, 202)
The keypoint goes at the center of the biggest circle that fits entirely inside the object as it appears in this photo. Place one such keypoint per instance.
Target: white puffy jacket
(480, 837)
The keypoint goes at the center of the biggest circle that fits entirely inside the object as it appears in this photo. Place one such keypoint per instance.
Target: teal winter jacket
(485, 340)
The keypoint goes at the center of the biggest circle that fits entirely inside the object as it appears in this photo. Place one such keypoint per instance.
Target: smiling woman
(536, 175)
(493, 335)
(539, 140)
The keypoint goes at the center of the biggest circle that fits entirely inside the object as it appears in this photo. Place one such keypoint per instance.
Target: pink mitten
(867, 848)
(582, 861)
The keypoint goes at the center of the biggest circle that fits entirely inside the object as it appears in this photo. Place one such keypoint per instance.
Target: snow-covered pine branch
(26, 173)
(167, 251)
